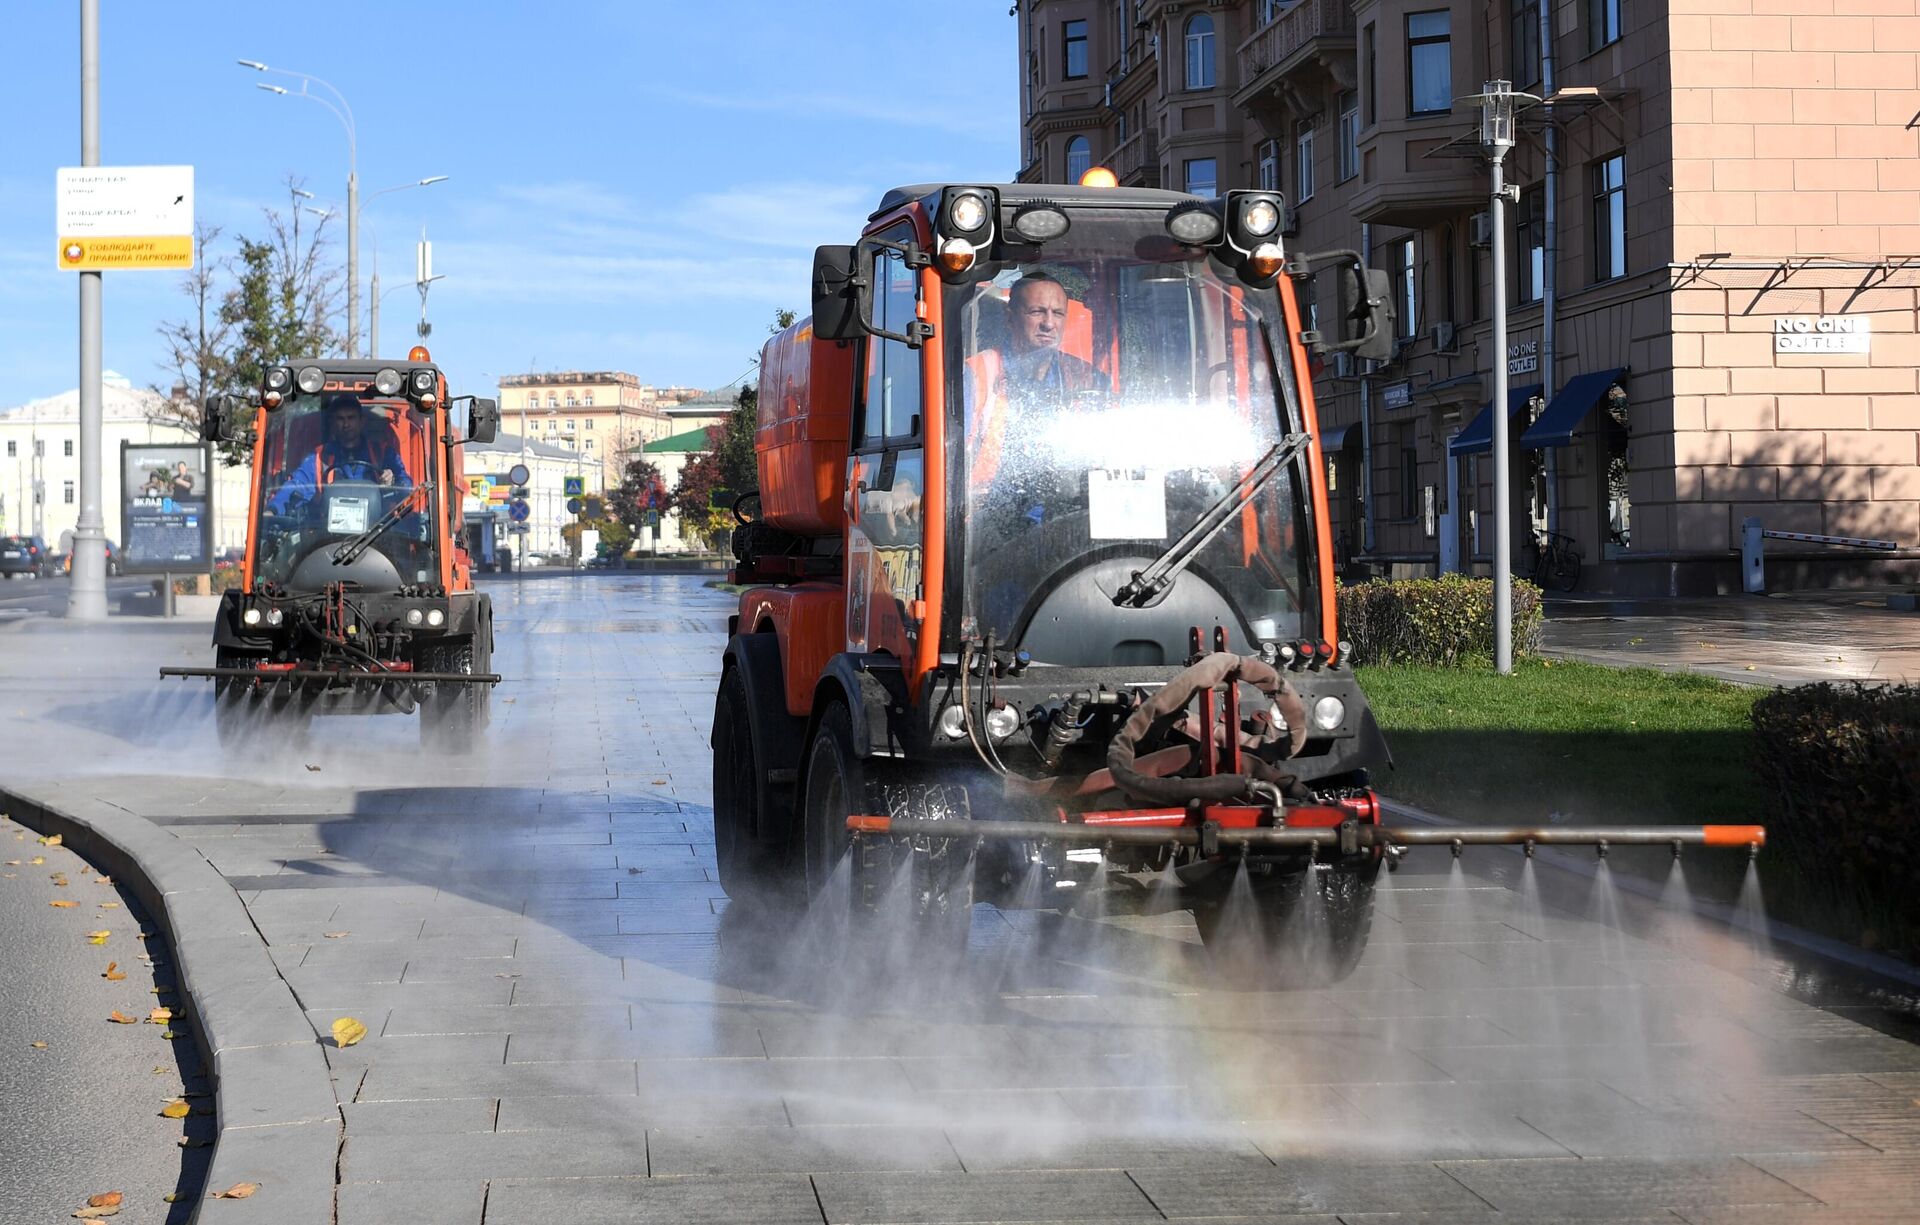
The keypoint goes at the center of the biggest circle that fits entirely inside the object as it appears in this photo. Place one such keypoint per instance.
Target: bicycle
(1556, 561)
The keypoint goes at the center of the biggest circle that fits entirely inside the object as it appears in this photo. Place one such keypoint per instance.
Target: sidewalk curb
(279, 1123)
(1860, 961)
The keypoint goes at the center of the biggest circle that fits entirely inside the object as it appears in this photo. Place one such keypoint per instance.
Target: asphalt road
(568, 1022)
(23, 597)
(83, 1094)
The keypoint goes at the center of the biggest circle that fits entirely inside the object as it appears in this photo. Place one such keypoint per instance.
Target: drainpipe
(1549, 279)
(1366, 423)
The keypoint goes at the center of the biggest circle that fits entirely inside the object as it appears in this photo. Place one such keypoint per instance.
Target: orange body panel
(809, 619)
(806, 413)
(934, 499)
(1310, 421)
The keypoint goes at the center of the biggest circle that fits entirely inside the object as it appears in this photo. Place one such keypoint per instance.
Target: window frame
(1187, 180)
(875, 349)
(1086, 147)
(66, 448)
(1529, 237)
(1370, 50)
(1416, 43)
(1609, 216)
(1069, 43)
(1406, 291)
(1266, 171)
(1524, 15)
(1604, 21)
(1199, 47)
(1347, 107)
(1303, 176)
(1410, 507)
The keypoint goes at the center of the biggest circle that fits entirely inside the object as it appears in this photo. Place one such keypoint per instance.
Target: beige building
(602, 414)
(1714, 254)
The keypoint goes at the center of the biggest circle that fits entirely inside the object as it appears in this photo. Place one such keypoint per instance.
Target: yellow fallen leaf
(347, 1031)
(239, 1190)
(175, 1109)
(94, 1214)
(113, 973)
(171, 1034)
(336, 935)
(108, 905)
(38, 1046)
(161, 1069)
(103, 880)
(63, 904)
(160, 1016)
(106, 1199)
(121, 1018)
(13, 863)
(99, 937)
(50, 840)
(38, 859)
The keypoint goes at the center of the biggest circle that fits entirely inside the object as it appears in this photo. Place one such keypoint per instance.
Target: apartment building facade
(1713, 254)
(603, 414)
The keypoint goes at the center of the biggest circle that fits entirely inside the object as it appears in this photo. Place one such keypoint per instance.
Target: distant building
(548, 467)
(40, 464)
(706, 408)
(601, 414)
(671, 455)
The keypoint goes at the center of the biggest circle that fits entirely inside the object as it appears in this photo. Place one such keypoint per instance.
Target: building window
(1530, 241)
(66, 492)
(1406, 273)
(1079, 158)
(1409, 475)
(1203, 176)
(553, 401)
(1073, 47)
(571, 402)
(1610, 217)
(1270, 10)
(1603, 23)
(589, 421)
(587, 399)
(13, 449)
(1269, 165)
(589, 444)
(1367, 40)
(1199, 51)
(1349, 135)
(39, 448)
(1429, 62)
(1525, 42)
(1303, 161)
(66, 447)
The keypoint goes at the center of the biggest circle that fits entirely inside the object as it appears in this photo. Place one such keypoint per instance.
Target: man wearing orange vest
(1015, 394)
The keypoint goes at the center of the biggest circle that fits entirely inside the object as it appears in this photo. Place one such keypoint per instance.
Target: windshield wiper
(1147, 585)
(350, 551)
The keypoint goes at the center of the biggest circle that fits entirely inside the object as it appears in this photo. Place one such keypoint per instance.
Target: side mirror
(836, 311)
(1364, 299)
(887, 289)
(213, 424)
(483, 420)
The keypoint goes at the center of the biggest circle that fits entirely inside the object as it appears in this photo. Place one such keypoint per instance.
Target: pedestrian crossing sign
(575, 486)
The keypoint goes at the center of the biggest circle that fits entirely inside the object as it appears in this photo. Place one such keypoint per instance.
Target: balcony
(1279, 61)
(1136, 163)
(1415, 172)
(1131, 76)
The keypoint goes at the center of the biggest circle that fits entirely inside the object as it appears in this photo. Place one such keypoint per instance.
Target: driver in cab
(348, 454)
(1015, 394)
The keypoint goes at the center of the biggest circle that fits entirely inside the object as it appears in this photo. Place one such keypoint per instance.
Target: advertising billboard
(166, 508)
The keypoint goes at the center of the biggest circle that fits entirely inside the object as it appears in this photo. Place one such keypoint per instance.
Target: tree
(693, 496)
(196, 345)
(641, 490)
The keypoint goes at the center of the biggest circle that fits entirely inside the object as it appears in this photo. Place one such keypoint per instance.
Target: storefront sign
(1397, 395)
(1822, 333)
(1523, 357)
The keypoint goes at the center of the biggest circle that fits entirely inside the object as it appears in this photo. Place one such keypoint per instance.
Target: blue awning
(1334, 437)
(1478, 436)
(1556, 426)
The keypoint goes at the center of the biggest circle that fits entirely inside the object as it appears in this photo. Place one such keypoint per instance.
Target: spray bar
(1362, 835)
(310, 674)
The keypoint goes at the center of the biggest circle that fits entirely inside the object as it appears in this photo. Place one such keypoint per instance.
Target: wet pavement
(567, 1022)
(1792, 639)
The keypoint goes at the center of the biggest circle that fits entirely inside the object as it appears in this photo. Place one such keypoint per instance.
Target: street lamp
(344, 113)
(1498, 102)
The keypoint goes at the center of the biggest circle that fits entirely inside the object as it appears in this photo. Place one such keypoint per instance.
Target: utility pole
(87, 597)
(1496, 137)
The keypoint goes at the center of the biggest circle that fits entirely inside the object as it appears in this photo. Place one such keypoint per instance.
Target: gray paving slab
(810, 1148)
(645, 1201)
(416, 1203)
(1620, 1186)
(1305, 1186)
(936, 1199)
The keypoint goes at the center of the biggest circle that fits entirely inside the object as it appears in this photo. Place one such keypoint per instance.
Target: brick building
(1714, 256)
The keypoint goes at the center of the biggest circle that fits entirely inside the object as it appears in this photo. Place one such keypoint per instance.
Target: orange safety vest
(987, 412)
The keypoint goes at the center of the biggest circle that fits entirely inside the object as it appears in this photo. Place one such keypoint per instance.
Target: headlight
(421, 385)
(250, 617)
(1265, 261)
(967, 215)
(1260, 218)
(1328, 713)
(1040, 223)
(1193, 223)
(956, 255)
(279, 380)
(1002, 721)
(436, 618)
(415, 616)
(953, 722)
(387, 382)
(275, 616)
(310, 380)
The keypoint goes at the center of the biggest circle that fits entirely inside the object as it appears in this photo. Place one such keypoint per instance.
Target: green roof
(691, 440)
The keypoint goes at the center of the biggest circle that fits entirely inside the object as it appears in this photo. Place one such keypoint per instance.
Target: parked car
(26, 555)
(113, 561)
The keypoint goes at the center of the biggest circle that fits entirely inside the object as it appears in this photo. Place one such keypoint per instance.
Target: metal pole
(353, 257)
(1502, 477)
(1549, 275)
(87, 597)
(373, 310)
(1366, 424)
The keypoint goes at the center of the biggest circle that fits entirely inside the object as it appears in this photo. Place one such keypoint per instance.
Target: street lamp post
(344, 113)
(1498, 102)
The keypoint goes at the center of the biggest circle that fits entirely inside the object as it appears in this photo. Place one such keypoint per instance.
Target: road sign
(574, 506)
(518, 511)
(480, 487)
(124, 217)
(573, 487)
(518, 529)
(518, 475)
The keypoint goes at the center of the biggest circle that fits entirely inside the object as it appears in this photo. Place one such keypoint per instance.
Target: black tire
(453, 715)
(749, 868)
(834, 776)
(1285, 940)
(1566, 570)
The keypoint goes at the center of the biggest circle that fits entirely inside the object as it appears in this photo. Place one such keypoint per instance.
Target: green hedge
(1843, 762)
(1433, 621)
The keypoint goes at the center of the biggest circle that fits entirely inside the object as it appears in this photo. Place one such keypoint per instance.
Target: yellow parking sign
(480, 487)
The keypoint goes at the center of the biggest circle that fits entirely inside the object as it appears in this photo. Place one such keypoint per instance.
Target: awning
(1334, 437)
(1556, 426)
(1478, 436)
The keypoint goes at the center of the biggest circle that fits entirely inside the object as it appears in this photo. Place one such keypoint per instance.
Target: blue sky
(633, 185)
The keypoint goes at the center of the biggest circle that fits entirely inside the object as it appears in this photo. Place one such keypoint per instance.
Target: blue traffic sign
(574, 486)
(518, 510)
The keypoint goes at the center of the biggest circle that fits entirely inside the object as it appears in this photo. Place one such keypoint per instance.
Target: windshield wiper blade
(350, 551)
(1147, 585)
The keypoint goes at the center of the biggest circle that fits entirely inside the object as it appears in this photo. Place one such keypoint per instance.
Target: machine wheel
(1279, 937)
(834, 777)
(749, 868)
(454, 715)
